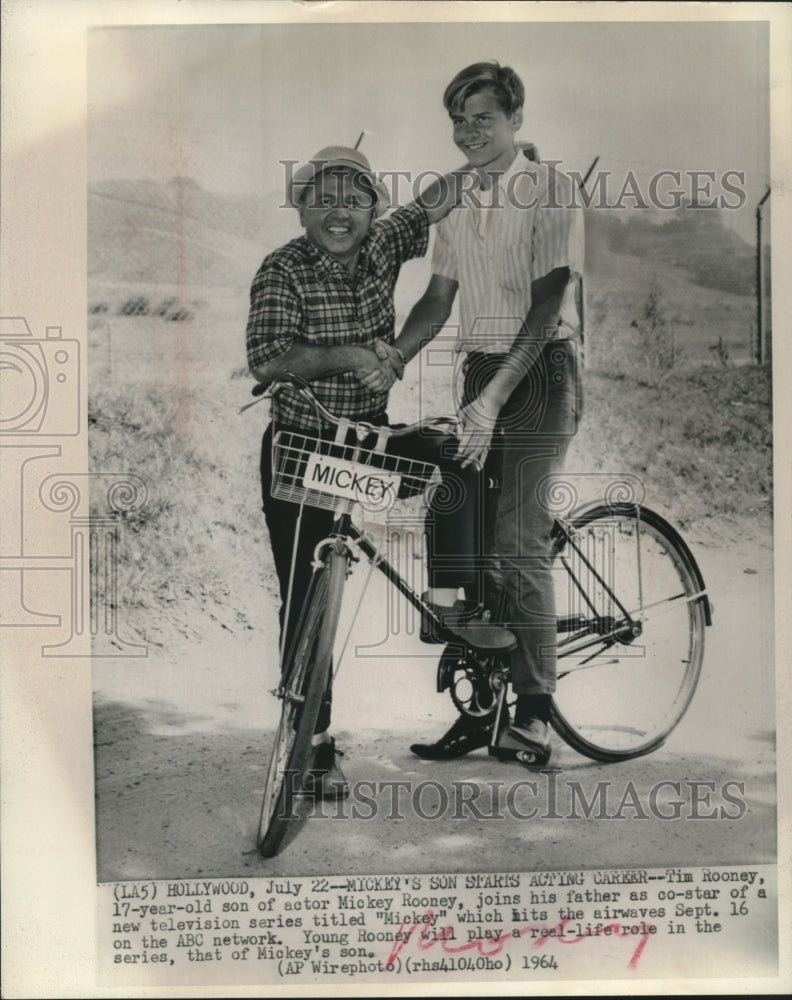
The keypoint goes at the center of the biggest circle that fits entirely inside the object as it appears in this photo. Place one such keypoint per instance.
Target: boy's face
(485, 133)
(337, 211)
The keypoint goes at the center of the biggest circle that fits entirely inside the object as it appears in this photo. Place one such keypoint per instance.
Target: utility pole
(761, 353)
(594, 162)
(581, 291)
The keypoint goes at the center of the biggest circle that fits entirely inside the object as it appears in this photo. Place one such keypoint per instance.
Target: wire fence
(700, 276)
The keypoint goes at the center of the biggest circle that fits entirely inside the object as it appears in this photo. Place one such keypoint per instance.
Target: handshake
(382, 369)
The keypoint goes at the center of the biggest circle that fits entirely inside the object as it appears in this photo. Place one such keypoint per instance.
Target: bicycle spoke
(625, 681)
(638, 615)
(683, 597)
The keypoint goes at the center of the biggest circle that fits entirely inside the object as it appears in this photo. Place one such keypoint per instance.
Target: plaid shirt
(302, 294)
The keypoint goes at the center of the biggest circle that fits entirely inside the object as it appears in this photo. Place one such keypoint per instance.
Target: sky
(225, 104)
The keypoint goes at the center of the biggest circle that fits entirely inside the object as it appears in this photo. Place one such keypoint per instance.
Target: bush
(136, 306)
(701, 444)
(196, 557)
(184, 558)
(653, 355)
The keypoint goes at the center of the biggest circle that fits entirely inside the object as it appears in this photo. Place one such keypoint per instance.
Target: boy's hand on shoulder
(446, 192)
(528, 150)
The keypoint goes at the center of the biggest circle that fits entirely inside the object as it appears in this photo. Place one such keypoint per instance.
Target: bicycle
(632, 601)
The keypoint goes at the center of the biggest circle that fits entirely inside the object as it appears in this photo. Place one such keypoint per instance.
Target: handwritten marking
(497, 942)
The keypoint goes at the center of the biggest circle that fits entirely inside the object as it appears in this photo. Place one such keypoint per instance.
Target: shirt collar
(520, 164)
(327, 267)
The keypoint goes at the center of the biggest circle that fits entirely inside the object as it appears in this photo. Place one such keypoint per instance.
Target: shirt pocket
(516, 267)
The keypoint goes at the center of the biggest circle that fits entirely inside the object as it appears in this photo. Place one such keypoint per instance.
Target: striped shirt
(301, 293)
(496, 242)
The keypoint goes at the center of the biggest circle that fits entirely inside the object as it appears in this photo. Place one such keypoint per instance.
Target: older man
(322, 308)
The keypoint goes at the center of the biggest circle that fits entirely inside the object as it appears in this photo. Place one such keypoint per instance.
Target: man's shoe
(325, 780)
(465, 735)
(455, 614)
(528, 744)
(465, 621)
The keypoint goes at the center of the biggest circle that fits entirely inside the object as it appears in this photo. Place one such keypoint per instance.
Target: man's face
(485, 133)
(337, 211)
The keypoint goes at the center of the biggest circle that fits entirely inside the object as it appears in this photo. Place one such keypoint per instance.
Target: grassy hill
(696, 240)
(688, 265)
(158, 241)
(143, 232)
(169, 271)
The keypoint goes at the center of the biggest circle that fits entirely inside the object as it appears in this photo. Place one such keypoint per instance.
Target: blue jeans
(529, 445)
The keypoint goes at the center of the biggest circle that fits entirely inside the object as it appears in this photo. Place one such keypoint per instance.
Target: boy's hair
(502, 80)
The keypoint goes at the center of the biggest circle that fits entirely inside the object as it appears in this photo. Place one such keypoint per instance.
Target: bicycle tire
(305, 673)
(625, 700)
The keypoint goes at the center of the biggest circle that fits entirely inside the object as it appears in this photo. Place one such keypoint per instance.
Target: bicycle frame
(345, 528)
(625, 711)
(599, 628)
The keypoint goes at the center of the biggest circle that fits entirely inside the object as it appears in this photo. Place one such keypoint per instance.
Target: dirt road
(182, 741)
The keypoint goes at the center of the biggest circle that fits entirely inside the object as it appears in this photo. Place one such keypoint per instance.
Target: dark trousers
(513, 539)
(450, 524)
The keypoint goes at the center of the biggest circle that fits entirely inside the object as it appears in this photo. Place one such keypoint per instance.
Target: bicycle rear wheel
(303, 682)
(632, 612)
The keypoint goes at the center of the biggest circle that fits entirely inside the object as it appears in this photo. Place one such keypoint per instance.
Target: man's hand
(528, 150)
(380, 372)
(446, 192)
(387, 352)
(478, 422)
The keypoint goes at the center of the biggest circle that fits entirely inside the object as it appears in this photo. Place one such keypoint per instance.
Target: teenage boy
(321, 307)
(513, 249)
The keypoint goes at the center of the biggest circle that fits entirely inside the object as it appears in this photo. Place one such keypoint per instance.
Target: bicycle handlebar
(448, 424)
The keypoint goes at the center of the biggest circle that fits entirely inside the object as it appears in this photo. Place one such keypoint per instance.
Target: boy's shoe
(528, 744)
(325, 779)
(465, 735)
(465, 621)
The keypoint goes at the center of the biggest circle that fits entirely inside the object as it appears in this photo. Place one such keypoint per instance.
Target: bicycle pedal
(529, 758)
(532, 758)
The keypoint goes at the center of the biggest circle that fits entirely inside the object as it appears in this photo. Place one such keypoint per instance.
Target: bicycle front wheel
(303, 683)
(632, 612)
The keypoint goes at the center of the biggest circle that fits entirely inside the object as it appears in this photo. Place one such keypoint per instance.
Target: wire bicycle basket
(320, 472)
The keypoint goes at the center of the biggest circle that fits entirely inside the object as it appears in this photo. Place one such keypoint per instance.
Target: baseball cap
(335, 156)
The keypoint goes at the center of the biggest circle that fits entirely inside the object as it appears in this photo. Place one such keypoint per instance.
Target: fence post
(761, 354)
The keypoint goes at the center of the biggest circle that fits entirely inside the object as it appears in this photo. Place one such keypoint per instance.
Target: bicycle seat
(484, 637)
